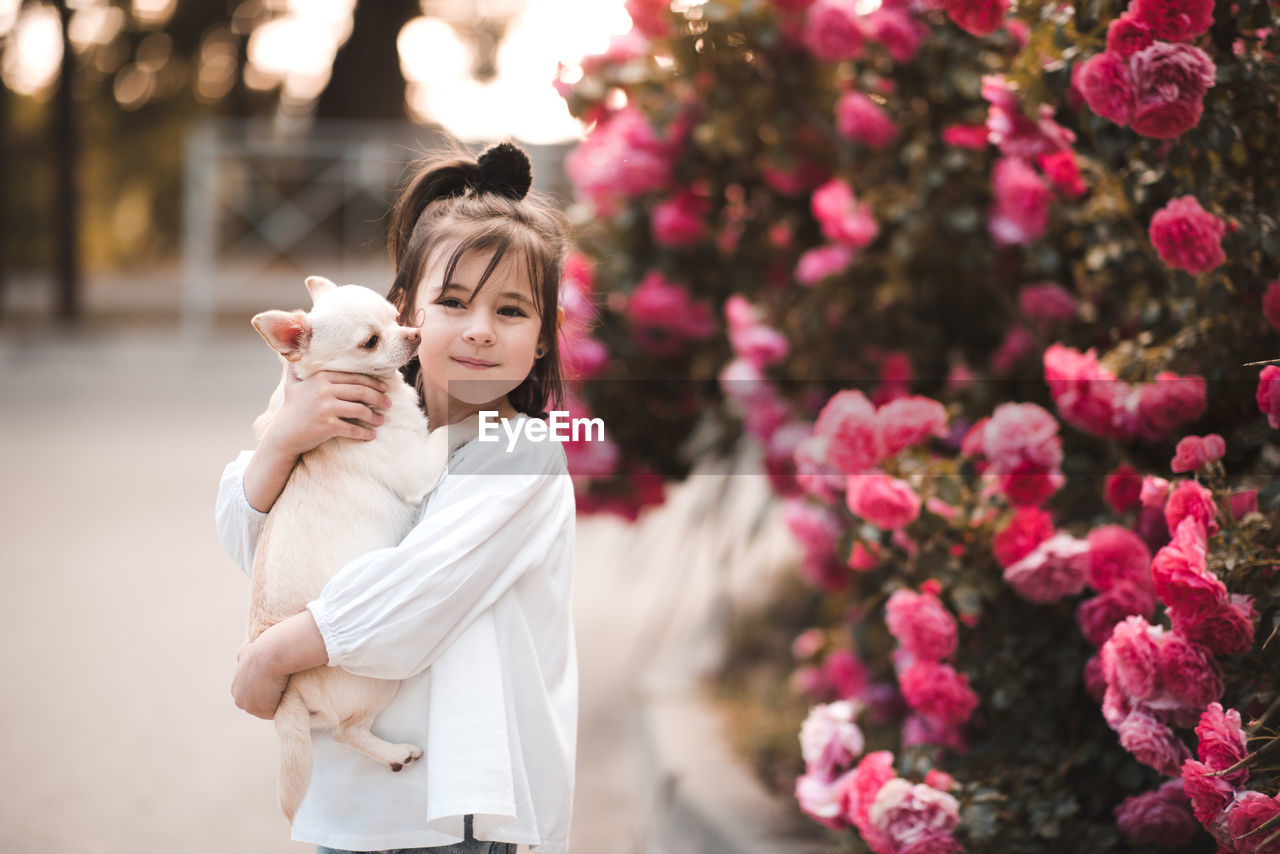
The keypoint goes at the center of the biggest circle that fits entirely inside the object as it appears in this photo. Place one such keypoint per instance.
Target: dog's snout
(412, 335)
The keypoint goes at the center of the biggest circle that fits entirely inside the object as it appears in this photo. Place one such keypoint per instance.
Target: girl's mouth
(474, 364)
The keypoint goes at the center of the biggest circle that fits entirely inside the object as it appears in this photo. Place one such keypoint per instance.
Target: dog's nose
(412, 335)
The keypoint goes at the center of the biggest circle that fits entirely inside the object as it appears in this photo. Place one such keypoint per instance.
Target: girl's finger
(355, 431)
(362, 395)
(358, 412)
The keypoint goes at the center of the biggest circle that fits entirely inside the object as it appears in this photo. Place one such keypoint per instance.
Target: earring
(540, 352)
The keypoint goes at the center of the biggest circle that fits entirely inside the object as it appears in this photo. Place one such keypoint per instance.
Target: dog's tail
(293, 726)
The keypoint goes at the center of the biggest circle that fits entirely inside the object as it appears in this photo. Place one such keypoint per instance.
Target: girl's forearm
(266, 475)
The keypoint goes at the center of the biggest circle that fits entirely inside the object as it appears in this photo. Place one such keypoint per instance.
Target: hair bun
(504, 169)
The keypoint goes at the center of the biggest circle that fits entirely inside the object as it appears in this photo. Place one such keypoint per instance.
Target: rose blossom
(822, 261)
(1099, 615)
(1122, 488)
(1271, 305)
(659, 303)
(843, 220)
(1152, 743)
(1087, 395)
(1181, 575)
(1173, 20)
(821, 798)
(1247, 812)
(1268, 394)
(884, 501)
(1209, 795)
(1243, 503)
(1021, 210)
(1056, 568)
(914, 816)
(678, 221)
(1195, 451)
(1026, 529)
(922, 625)
(621, 157)
(1127, 35)
(897, 30)
(846, 675)
(829, 737)
(1154, 492)
(1222, 742)
(863, 120)
(1108, 87)
(1169, 82)
(977, 17)
(1162, 817)
(1021, 432)
(1130, 659)
(1190, 676)
(1190, 499)
(831, 30)
(1225, 628)
(1016, 134)
(1166, 402)
(937, 691)
(909, 421)
(1062, 169)
(966, 136)
(1117, 555)
(849, 420)
(1046, 303)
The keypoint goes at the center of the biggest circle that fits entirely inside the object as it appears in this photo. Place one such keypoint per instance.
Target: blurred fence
(261, 206)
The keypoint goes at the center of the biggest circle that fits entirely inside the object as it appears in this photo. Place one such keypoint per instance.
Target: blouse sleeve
(239, 524)
(389, 614)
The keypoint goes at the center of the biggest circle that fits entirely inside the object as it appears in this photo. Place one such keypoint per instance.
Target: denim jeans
(470, 845)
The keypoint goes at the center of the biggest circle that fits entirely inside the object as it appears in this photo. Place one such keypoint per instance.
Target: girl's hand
(324, 406)
(257, 685)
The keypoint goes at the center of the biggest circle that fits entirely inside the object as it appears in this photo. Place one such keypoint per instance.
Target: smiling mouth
(474, 363)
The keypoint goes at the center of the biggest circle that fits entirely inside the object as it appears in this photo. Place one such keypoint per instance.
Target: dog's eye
(371, 343)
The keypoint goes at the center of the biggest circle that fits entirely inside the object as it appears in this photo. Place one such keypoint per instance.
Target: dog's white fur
(344, 499)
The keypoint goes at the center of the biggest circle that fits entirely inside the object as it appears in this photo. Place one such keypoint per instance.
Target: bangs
(509, 244)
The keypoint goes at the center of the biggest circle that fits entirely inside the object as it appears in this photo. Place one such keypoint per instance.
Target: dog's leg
(293, 726)
(356, 735)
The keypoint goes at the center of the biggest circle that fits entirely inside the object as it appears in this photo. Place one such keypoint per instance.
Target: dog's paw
(409, 752)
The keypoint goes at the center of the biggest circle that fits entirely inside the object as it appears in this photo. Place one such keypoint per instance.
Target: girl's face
(475, 350)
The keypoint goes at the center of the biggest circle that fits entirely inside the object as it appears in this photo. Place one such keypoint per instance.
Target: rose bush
(980, 283)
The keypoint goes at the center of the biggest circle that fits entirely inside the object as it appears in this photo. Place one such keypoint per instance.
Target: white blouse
(472, 611)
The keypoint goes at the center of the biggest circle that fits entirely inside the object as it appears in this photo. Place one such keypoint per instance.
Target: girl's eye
(451, 302)
(371, 343)
(512, 311)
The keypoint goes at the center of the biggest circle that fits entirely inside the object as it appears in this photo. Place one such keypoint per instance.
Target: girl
(472, 609)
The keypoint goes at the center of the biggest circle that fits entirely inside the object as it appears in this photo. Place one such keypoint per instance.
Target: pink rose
(1167, 402)
(863, 120)
(679, 221)
(815, 473)
(1268, 394)
(1122, 488)
(816, 529)
(621, 157)
(896, 29)
(1181, 575)
(1027, 528)
(1249, 811)
(1016, 346)
(1222, 741)
(922, 625)
(1117, 555)
(1108, 86)
(1190, 499)
(1152, 743)
(1021, 432)
(1209, 795)
(1173, 20)
(1224, 628)
(914, 817)
(650, 17)
(1154, 492)
(1029, 483)
(977, 17)
(909, 421)
(843, 220)
(1021, 210)
(1169, 82)
(1056, 568)
(1062, 169)
(830, 738)
(884, 501)
(1187, 237)
(1190, 676)
(1099, 615)
(820, 262)
(1195, 451)
(1244, 502)
(849, 420)
(659, 303)
(831, 30)
(1130, 658)
(1017, 134)
(1162, 817)
(1047, 303)
(1127, 35)
(870, 775)
(937, 691)
(846, 675)
(1271, 305)
(966, 136)
(821, 798)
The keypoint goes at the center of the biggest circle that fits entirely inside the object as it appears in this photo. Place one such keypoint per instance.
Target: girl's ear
(288, 332)
(318, 286)
(559, 317)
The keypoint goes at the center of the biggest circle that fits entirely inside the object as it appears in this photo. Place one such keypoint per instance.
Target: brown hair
(483, 205)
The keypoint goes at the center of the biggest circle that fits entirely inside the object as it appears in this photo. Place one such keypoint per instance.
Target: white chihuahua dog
(344, 499)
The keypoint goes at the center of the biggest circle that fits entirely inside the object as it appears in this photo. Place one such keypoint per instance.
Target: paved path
(121, 614)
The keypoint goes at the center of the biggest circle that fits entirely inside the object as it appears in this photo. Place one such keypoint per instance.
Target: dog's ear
(286, 331)
(317, 286)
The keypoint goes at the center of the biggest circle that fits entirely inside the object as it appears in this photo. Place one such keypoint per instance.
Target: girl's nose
(478, 332)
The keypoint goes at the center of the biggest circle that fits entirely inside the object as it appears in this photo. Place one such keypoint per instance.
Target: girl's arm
(263, 667)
